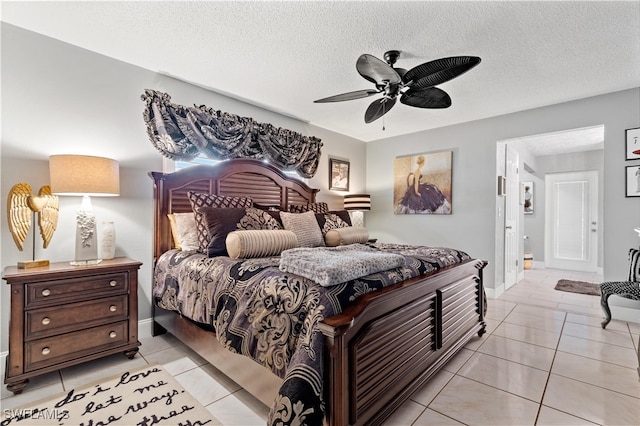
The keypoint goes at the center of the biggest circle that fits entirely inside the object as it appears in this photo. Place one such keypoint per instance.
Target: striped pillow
(259, 243)
(343, 236)
(634, 265)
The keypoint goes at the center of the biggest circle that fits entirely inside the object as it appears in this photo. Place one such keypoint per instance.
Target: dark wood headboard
(243, 177)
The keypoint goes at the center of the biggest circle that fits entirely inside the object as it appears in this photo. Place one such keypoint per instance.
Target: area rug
(581, 287)
(146, 397)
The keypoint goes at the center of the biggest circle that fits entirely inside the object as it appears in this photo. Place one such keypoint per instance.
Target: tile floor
(544, 360)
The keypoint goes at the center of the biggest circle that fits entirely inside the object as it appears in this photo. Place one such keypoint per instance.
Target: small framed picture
(633, 181)
(527, 197)
(338, 174)
(633, 144)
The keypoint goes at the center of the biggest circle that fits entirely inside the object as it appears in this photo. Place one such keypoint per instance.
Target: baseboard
(494, 293)
(538, 264)
(145, 328)
(624, 309)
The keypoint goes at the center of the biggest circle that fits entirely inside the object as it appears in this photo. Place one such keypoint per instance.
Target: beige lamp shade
(84, 175)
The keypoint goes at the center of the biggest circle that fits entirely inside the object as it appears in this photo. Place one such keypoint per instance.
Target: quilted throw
(273, 316)
(335, 265)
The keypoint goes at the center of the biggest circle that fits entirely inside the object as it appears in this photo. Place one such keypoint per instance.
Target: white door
(571, 225)
(511, 213)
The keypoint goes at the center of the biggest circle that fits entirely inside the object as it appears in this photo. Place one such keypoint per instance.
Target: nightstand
(63, 315)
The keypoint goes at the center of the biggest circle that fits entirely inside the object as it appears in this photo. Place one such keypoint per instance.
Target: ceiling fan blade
(376, 70)
(437, 72)
(358, 94)
(378, 108)
(431, 97)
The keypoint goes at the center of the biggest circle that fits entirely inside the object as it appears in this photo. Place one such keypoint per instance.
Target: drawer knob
(46, 351)
(112, 334)
(112, 308)
(113, 283)
(46, 321)
(46, 292)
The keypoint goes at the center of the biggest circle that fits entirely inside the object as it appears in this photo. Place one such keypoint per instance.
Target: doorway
(575, 150)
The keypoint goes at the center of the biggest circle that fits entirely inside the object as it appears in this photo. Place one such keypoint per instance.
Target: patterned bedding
(272, 316)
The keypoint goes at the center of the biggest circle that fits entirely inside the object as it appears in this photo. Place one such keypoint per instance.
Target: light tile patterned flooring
(544, 360)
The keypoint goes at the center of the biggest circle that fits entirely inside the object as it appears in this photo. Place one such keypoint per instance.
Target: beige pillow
(305, 226)
(174, 230)
(184, 231)
(259, 243)
(348, 235)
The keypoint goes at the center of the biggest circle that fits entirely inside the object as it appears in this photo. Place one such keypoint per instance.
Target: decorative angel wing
(19, 212)
(47, 215)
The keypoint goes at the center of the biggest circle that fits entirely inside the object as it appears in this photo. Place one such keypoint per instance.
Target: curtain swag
(182, 133)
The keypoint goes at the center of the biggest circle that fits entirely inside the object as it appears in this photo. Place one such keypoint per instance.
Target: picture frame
(422, 183)
(632, 181)
(528, 197)
(632, 145)
(339, 174)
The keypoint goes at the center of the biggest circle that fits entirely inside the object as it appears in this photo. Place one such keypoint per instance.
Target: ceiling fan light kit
(415, 87)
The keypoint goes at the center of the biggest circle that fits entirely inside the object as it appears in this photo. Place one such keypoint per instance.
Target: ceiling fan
(416, 87)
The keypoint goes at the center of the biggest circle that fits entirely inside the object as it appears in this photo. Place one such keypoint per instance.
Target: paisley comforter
(272, 316)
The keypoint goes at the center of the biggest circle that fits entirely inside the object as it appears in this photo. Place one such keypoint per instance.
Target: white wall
(471, 227)
(60, 99)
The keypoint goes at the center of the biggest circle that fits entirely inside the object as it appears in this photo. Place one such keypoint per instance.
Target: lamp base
(85, 262)
(86, 239)
(32, 264)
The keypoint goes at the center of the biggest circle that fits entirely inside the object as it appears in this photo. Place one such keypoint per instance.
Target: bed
(377, 340)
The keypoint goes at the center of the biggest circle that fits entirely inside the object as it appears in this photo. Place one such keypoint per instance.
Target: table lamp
(356, 204)
(85, 176)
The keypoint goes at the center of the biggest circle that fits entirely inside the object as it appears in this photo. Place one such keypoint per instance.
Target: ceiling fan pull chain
(383, 129)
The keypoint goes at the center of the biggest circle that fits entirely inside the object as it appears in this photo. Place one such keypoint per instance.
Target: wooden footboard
(384, 348)
(378, 352)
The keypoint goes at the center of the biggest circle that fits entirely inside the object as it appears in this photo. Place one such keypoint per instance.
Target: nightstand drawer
(48, 293)
(52, 350)
(45, 322)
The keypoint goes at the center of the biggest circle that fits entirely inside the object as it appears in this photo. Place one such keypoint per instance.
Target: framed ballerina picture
(422, 183)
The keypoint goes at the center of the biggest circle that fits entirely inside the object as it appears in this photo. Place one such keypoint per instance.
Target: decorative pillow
(174, 231)
(268, 207)
(311, 207)
(344, 236)
(259, 243)
(184, 231)
(332, 220)
(220, 222)
(199, 200)
(305, 226)
(634, 265)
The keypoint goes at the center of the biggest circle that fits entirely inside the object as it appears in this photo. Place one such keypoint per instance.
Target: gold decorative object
(21, 207)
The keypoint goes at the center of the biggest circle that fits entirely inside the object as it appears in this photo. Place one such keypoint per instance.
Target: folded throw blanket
(334, 265)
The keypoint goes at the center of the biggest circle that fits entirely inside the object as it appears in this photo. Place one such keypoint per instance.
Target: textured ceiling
(284, 55)
(574, 140)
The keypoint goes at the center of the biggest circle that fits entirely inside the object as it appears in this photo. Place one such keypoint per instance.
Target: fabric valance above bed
(182, 133)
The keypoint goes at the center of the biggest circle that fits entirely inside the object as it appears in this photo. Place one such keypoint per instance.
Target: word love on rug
(145, 397)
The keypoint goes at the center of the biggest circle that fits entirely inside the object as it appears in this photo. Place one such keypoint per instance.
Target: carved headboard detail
(243, 177)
